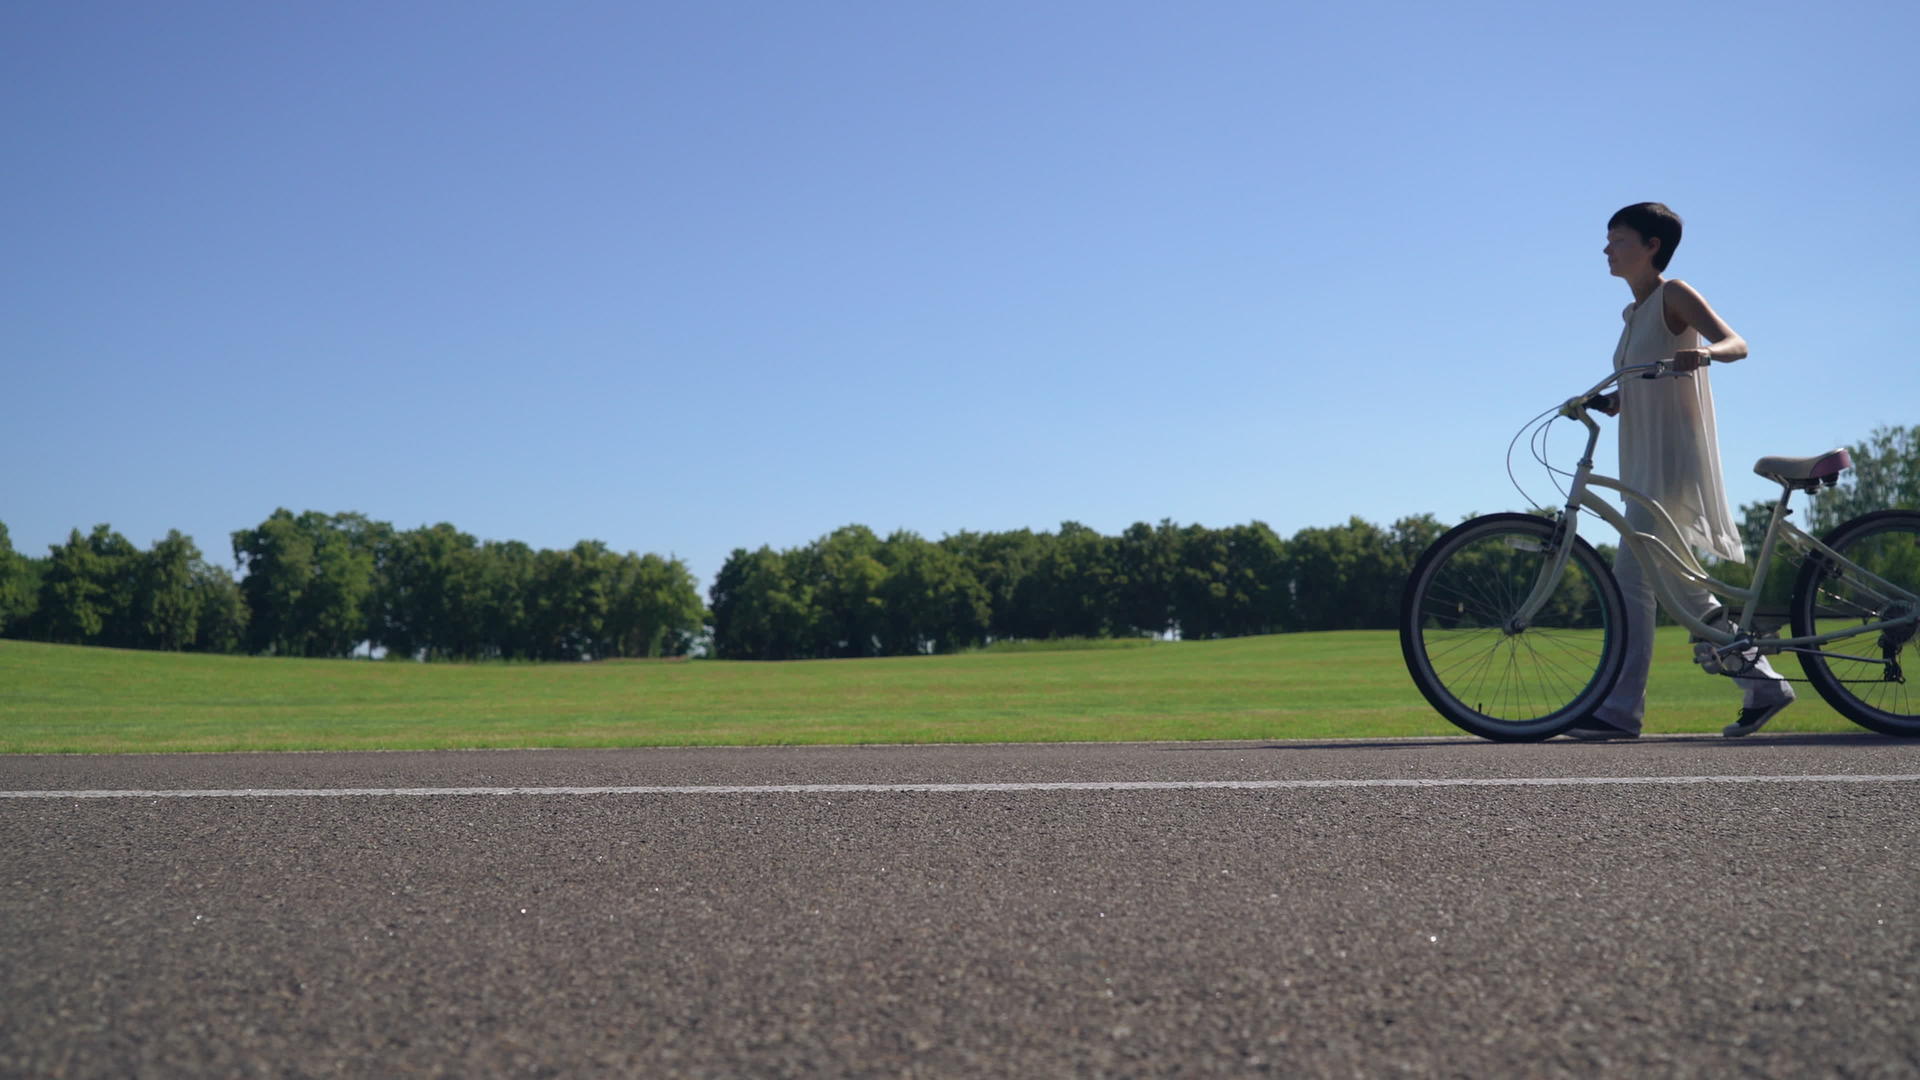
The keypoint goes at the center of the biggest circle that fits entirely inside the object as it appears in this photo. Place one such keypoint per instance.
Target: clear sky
(695, 276)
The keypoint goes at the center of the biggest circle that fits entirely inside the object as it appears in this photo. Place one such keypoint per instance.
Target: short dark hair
(1652, 221)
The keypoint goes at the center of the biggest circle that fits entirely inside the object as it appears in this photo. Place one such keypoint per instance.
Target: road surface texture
(1694, 926)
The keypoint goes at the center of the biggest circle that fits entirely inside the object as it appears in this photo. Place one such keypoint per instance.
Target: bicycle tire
(1497, 684)
(1881, 693)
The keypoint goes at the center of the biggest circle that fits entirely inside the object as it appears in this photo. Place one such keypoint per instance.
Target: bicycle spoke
(1871, 584)
(1461, 638)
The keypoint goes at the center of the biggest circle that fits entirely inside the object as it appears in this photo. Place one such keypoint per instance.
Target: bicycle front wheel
(1869, 678)
(1489, 677)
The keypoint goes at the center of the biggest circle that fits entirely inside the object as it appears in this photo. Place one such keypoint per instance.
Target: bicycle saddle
(1806, 472)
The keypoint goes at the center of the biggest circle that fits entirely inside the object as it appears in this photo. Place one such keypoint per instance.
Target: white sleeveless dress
(1669, 448)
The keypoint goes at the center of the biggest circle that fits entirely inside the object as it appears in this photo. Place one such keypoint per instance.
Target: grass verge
(65, 699)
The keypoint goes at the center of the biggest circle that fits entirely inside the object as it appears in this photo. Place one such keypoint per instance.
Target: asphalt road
(1684, 928)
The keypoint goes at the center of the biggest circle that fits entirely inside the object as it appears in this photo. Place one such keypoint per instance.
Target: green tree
(932, 601)
(426, 599)
(1069, 591)
(1408, 539)
(222, 624)
(656, 609)
(87, 593)
(551, 609)
(309, 582)
(506, 573)
(572, 595)
(1200, 588)
(1347, 577)
(1001, 562)
(1885, 476)
(1147, 564)
(846, 574)
(1232, 582)
(167, 601)
(760, 611)
(278, 560)
(19, 585)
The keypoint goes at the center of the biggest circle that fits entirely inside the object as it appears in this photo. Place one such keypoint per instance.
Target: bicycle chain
(1791, 679)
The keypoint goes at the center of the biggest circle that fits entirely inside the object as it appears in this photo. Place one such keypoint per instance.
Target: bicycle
(1514, 628)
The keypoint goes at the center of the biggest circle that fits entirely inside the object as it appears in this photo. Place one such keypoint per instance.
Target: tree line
(315, 584)
(853, 594)
(320, 585)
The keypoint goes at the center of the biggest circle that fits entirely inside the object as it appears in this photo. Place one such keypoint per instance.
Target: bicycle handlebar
(1576, 407)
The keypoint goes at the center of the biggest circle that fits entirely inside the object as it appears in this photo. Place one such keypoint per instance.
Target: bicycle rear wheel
(1870, 678)
(1479, 671)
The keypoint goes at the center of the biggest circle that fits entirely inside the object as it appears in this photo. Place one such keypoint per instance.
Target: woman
(1669, 451)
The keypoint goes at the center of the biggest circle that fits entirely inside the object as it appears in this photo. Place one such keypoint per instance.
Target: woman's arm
(1686, 305)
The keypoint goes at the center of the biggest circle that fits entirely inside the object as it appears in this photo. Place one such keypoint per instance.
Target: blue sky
(691, 277)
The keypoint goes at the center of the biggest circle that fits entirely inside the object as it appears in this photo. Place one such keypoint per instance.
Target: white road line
(856, 789)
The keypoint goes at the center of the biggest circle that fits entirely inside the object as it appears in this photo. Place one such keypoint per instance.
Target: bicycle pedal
(1708, 659)
(1739, 658)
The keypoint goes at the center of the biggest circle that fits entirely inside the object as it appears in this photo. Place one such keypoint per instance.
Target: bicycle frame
(1665, 549)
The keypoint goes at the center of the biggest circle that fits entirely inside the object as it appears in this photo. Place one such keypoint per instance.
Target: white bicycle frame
(1665, 549)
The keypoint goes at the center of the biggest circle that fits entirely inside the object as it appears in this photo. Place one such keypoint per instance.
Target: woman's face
(1628, 253)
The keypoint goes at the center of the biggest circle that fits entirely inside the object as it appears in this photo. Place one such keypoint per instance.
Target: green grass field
(63, 699)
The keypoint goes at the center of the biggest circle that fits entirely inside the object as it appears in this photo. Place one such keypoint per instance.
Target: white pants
(1626, 706)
